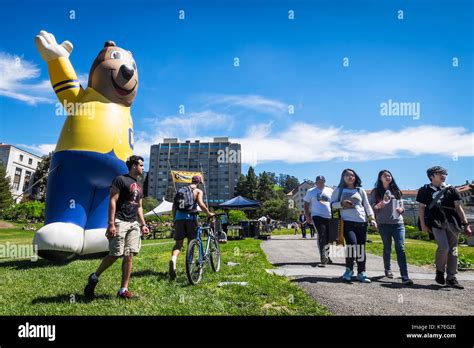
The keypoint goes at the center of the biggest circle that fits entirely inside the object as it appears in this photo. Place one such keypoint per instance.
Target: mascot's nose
(126, 72)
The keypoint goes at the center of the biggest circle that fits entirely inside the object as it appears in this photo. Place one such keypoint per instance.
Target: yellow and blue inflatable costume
(96, 140)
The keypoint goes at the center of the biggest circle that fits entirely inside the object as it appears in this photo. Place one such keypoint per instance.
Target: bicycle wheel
(193, 262)
(215, 255)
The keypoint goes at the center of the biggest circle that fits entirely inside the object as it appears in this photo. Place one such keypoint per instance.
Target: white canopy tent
(163, 208)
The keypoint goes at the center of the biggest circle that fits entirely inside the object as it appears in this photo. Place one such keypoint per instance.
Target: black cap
(320, 177)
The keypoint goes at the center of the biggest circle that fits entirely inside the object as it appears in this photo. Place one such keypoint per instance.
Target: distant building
(220, 161)
(466, 192)
(20, 166)
(297, 194)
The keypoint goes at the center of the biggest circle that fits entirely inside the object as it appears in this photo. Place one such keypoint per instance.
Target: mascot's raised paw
(95, 141)
(49, 48)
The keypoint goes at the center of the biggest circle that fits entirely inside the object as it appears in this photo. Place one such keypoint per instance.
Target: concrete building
(296, 195)
(220, 161)
(20, 166)
(467, 193)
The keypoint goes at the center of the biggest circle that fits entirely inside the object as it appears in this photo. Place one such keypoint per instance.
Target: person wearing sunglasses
(441, 213)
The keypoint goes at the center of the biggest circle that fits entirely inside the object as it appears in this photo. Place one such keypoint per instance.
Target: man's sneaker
(407, 281)
(440, 278)
(363, 278)
(454, 283)
(329, 261)
(347, 276)
(126, 294)
(388, 274)
(90, 287)
(172, 271)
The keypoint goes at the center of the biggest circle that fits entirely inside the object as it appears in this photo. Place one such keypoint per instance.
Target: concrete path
(298, 258)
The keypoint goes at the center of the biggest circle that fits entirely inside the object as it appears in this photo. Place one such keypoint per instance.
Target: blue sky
(337, 121)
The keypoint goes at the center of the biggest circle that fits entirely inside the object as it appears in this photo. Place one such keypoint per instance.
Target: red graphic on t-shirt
(135, 191)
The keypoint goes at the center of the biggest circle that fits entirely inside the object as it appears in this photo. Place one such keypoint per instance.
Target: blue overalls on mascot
(95, 141)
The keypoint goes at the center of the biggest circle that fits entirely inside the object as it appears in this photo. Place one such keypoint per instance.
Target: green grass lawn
(42, 288)
(284, 231)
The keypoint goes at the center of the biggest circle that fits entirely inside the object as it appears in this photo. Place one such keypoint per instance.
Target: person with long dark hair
(386, 201)
(355, 212)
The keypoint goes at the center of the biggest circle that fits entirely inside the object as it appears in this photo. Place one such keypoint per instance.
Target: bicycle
(199, 253)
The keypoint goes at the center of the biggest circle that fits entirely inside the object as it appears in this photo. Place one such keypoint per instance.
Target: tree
(265, 187)
(235, 216)
(32, 211)
(251, 184)
(149, 203)
(39, 190)
(288, 182)
(273, 177)
(278, 209)
(241, 187)
(6, 199)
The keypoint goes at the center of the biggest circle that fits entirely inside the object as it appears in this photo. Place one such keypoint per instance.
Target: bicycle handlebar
(209, 218)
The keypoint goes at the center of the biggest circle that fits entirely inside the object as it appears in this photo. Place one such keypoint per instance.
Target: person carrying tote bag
(355, 212)
(336, 225)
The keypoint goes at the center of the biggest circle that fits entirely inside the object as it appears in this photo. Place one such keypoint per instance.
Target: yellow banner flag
(185, 177)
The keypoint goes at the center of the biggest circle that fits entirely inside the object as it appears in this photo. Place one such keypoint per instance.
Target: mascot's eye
(116, 55)
(134, 66)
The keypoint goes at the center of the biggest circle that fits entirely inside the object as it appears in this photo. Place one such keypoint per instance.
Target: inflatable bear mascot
(95, 141)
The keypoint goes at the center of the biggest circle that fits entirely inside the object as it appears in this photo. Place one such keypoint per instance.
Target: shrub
(25, 212)
(463, 262)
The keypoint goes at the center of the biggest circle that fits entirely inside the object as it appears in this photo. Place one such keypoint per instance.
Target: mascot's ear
(109, 44)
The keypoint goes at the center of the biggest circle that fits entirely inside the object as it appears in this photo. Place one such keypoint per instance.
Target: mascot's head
(114, 74)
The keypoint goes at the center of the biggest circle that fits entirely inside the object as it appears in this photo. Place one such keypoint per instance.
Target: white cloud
(188, 126)
(144, 140)
(302, 143)
(250, 102)
(18, 82)
(15, 71)
(38, 149)
(191, 121)
(306, 143)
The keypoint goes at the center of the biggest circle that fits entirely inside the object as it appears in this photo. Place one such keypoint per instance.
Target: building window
(17, 179)
(21, 158)
(30, 161)
(26, 182)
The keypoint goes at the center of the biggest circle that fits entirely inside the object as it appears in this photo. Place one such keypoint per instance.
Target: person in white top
(318, 211)
(356, 213)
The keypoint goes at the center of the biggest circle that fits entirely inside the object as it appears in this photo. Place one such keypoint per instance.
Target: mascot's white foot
(95, 242)
(59, 241)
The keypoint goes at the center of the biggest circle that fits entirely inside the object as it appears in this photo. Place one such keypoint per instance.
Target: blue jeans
(397, 232)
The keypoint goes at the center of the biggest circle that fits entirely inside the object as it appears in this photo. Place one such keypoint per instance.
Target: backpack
(184, 199)
(436, 202)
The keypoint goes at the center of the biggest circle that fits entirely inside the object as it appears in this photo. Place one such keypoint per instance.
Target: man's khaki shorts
(127, 239)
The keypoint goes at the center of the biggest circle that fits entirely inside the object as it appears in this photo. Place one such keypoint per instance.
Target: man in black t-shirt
(123, 231)
(442, 214)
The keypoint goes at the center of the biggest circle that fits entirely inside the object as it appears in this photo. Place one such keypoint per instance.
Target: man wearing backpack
(442, 214)
(184, 216)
